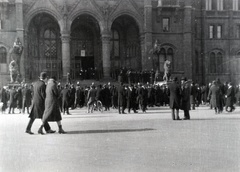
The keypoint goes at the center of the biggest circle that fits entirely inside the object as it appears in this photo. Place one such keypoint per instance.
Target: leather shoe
(29, 132)
(51, 131)
(185, 119)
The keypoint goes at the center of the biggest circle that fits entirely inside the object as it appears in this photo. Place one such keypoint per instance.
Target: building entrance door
(84, 67)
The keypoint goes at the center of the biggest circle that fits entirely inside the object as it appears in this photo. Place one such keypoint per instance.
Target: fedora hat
(43, 75)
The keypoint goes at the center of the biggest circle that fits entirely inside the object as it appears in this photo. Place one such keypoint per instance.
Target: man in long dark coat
(121, 99)
(12, 99)
(27, 98)
(38, 103)
(4, 99)
(214, 96)
(52, 107)
(185, 98)
(131, 99)
(65, 94)
(174, 91)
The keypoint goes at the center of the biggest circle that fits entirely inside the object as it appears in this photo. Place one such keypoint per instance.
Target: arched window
(219, 62)
(50, 44)
(170, 54)
(115, 43)
(212, 63)
(3, 55)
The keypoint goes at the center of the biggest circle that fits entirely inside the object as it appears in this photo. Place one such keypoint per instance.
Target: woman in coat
(52, 108)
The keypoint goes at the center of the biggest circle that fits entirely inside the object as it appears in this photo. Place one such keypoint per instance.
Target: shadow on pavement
(108, 131)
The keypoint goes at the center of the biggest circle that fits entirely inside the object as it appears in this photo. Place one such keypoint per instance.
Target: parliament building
(201, 38)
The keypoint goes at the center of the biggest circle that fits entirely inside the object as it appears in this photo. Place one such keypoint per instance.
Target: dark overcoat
(65, 94)
(230, 94)
(122, 101)
(13, 98)
(174, 91)
(215, 96)
(185, 97)
(27, 97)
(52, 108)
(38, 101)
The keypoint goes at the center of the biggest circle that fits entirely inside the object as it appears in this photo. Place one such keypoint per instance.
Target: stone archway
(43, 47)
(86, 55)
(125, 43)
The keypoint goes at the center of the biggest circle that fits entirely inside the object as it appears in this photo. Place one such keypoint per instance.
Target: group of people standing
(46, 98)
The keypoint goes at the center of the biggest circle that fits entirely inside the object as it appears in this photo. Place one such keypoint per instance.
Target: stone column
(20, 34)
(187, 41)
(106, 55)
(146, 64)
(66, 60)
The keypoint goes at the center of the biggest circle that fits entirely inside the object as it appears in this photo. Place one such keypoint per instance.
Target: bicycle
(98, 106)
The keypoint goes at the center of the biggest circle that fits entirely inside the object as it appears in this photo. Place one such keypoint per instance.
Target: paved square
(102, 142)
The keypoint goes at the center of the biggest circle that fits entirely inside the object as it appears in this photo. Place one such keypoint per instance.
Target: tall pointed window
(219, 62)
(211, 31)
(3, 55)
(219, 5)
(166, 25)
(212, 63)
(3, 59)
(50, 44)
(115, 43)
(236, 5)
(219, 31)
(208, 4)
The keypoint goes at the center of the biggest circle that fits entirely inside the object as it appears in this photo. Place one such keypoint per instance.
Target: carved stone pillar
(106, 55)
(66, 63)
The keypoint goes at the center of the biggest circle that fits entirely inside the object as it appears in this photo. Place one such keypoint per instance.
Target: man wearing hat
(174, 103)
(185, 97)
(38, 103)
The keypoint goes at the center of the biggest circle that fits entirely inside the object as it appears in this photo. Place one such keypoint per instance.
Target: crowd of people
(46, 99)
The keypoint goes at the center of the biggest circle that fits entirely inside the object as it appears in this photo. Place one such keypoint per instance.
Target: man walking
(38, 104)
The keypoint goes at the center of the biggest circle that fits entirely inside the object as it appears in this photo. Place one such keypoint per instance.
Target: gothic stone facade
(200, 37)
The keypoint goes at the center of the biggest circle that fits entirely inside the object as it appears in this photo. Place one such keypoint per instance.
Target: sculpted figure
(13, 69)
(15, 54)
(167, 70)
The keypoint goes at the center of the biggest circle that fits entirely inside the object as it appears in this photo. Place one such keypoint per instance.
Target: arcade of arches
(87, 46)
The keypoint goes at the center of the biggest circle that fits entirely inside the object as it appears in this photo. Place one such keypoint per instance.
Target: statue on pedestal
(167, 70)
(13, 69)
(15, 54)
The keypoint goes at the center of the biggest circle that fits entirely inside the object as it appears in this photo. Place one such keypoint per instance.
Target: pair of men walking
(45, 105)
(180, 98)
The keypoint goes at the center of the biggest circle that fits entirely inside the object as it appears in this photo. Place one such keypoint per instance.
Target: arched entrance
(44, 47)
(125, 44)
(86, 56)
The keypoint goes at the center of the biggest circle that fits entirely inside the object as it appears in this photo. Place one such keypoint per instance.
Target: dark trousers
(121, 109)
(30, 123)
(186, 114)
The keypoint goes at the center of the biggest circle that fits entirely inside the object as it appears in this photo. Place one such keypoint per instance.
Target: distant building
(200, 37)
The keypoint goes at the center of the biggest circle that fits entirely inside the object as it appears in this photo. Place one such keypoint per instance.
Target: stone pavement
(110, 142)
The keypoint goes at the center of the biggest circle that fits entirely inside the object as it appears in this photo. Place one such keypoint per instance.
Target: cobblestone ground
(108, 141)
